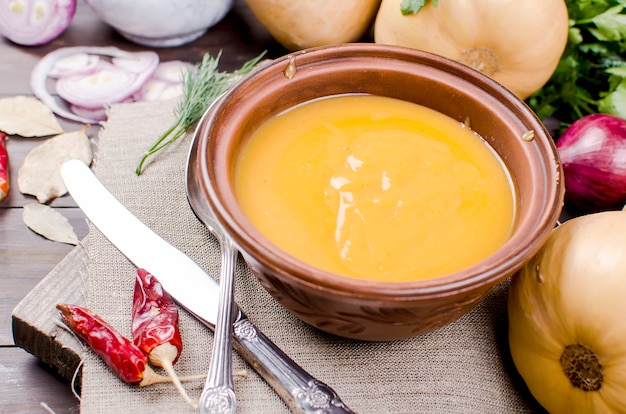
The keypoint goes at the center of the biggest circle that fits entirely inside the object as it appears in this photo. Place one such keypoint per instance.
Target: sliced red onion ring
(86, 84)
(79, 63)
(138, 62)
(100, 113)
(171, 71)
(156, 89)
(172, 91)
(151, 90)
(44, 66)
(35, 22)
(166, 82)
(95, 113)
(106, 85)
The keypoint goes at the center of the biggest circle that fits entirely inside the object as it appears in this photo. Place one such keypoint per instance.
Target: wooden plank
(26, 257)
(37, 327)
(26, 384)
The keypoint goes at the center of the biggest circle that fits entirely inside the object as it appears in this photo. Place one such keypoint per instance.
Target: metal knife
(195, 291)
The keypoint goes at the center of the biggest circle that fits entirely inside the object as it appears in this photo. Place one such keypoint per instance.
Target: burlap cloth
(462, 368)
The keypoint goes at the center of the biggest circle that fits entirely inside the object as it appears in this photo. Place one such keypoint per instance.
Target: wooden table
(25, 257)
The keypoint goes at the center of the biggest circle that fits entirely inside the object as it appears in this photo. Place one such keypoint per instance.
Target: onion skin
(593, 155)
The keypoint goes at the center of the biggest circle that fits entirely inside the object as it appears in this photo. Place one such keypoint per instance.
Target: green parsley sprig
(591, 74)
(202, 84)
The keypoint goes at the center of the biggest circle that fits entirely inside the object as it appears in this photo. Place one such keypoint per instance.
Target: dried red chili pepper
(124, 358)
(154, 318)
(4, 167)
(155, 326)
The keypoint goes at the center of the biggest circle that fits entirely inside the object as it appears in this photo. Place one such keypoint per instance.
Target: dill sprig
(202, 85)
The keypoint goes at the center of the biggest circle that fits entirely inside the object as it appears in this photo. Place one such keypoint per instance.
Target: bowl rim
(219, 193)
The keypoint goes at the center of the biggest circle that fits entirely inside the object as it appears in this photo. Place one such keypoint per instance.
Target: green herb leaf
(411, 6)
(408, 7)
(202, 84)
(591, 75)
(611, 25)
(615, 102)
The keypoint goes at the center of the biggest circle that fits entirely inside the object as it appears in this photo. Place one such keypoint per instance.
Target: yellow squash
(567, 323)
(299, 24)
(516, 42)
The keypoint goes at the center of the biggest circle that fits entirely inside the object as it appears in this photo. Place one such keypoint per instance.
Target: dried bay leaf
(44, 220)
(40, 174)
(27, 117)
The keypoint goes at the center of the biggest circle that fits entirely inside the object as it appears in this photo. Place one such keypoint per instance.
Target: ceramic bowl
(377, 310)
(163, 23)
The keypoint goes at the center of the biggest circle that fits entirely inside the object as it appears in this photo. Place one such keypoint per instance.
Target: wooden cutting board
(37, 327)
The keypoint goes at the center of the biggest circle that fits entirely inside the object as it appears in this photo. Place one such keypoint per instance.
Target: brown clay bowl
(377, 310)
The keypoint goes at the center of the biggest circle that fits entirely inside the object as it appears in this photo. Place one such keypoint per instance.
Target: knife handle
(300, 391)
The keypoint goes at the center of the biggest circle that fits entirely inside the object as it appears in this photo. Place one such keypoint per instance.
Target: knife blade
(176, 271)
(196, 291)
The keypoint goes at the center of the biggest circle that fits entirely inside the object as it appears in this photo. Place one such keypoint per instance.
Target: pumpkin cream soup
(375, 188)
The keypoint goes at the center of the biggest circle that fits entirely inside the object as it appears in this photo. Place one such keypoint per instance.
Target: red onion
(35, 22)
(155, 89)
(88, 79)
(138, 62)
(39, 76)
(593, 154)
(108, 84)
(75, 64)
(166, 82)
(99, 114)
(171, 71)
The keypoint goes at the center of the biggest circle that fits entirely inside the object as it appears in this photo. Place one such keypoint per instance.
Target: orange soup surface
(375, 188)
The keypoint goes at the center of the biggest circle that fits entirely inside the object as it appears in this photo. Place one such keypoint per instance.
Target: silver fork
(298, 389)
(218, 394)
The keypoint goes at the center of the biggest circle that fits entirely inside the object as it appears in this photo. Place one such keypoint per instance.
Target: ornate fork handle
(301, 392)
(218, 394)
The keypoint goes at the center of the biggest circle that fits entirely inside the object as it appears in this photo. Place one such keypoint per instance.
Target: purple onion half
(593, 154)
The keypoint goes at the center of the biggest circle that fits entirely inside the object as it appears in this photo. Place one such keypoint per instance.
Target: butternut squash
(517, 43)
(567, 332)
(300, 24)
